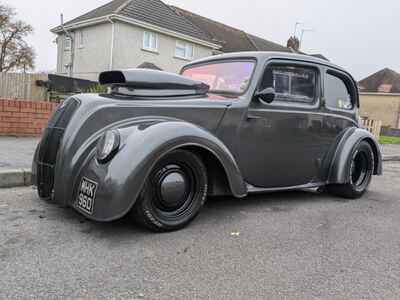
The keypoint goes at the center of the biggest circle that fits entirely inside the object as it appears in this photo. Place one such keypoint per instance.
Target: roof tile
(158, 13)
(386, 81)
(231, 39)
(106, 9)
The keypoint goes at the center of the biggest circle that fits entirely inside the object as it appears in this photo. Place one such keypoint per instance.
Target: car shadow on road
(216, 210)
(271, 202)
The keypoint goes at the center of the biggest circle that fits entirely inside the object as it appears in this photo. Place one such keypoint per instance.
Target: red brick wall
(24, 118)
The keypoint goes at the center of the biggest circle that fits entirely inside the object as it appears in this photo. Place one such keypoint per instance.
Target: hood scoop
(155, 81)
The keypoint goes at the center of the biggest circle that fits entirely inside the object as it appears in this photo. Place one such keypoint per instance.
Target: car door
(280, 142)
(339, 107)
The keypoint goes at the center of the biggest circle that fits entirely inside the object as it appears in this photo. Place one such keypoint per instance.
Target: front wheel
(174, 192)
(360, 173)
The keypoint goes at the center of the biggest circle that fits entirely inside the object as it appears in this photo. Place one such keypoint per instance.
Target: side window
(184, 50)
(292, 83)
(150, 41)
(80, 39)
(337, 94)
(67, 43)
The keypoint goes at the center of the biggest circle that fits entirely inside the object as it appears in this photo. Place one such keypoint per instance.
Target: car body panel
(122, 179)
(97, 114)
(260, 147)
(304, 140)
(338, 171)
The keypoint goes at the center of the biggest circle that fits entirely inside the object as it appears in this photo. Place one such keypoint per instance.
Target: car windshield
(223, 77)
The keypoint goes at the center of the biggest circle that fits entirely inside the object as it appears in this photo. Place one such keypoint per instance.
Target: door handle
(261, 121)
(249, 117)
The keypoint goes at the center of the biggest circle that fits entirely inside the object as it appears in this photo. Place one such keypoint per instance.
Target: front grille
(49, 145)
(45, 175)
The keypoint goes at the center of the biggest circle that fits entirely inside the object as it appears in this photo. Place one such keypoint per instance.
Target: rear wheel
(174, 192)
(360, 173)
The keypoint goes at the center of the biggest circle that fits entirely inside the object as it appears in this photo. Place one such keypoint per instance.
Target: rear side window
(292, 83)
(337, 94)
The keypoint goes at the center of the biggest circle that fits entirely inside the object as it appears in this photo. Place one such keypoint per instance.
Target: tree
(15, 53)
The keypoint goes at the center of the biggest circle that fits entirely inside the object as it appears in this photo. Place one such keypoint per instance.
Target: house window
(184, 50)
(80, 39)
(67, 43)
(150, 41)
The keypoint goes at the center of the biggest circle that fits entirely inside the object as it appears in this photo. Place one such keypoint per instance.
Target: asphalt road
(295, 245)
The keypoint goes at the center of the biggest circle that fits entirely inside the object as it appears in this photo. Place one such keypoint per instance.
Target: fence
(373, 126)
(394, 132)
(22, 86)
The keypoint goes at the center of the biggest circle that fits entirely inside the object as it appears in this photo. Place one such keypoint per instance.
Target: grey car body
(247, 146)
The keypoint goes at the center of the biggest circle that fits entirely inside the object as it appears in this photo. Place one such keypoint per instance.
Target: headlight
(108, 146)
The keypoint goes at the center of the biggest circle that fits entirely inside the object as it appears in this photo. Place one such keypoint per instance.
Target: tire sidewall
(150, 213)
(364, 147)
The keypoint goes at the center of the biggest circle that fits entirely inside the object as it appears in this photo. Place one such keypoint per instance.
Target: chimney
(293, 43)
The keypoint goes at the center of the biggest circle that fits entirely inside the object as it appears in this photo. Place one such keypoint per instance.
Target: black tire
(360, 172)
(173, 194)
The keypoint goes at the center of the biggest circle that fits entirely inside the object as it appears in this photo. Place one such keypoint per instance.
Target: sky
(360, 35)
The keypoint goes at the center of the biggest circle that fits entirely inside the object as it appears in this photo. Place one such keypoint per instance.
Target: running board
(257, 190)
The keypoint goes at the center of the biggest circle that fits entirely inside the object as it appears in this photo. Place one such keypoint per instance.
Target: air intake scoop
(152, 80)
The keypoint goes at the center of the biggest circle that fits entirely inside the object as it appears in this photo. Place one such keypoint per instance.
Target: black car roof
(264, 55)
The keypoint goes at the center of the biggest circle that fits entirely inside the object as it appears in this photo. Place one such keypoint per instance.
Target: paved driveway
(295, 245)
(17, 153)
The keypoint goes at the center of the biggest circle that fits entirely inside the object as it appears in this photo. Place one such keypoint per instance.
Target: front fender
(121, 180)
(340, 165)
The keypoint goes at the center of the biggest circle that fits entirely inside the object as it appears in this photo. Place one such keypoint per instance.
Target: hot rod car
(158, 144)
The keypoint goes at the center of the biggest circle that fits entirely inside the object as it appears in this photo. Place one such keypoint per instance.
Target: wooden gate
(373, 126)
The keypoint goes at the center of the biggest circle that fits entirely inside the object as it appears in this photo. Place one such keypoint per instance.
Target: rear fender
(340, 165)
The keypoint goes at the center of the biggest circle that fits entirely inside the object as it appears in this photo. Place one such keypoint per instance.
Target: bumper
(111, 201)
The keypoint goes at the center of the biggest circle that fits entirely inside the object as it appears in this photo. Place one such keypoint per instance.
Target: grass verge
(389, 140)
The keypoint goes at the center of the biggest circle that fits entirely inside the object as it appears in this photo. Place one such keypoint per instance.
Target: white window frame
(150, 46)
(81, 39)
(67, 38)
(186, 46)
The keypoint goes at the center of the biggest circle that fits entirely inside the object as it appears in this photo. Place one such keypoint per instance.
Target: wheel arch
(218, 181)
(338, 171)
(142, 145)
(377, 155)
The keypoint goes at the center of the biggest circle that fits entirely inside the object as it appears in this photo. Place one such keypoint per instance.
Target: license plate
(86, 195)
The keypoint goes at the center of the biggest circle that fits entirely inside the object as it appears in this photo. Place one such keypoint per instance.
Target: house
(230, 39)
(132, 33)
(384, 81)
(380, 97)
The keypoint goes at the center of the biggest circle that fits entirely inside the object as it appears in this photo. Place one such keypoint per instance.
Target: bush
(97, 89)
